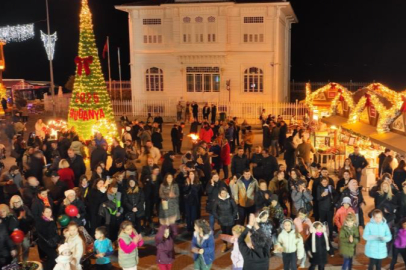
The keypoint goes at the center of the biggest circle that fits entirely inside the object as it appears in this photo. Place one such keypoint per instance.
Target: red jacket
(206, 135)
(225, 154)
(340, 216)
(66, 175)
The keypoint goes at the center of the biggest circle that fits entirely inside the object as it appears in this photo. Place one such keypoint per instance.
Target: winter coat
(207, 244)
(47, 230)
(244, 197)
(279, 188)
(347, 248)
(156, 139)
(25, 224)
(266, 136)
(192, 194)
(257, 160)
(399, 176)
(401, 204)
(11, 222)
(128, 250)
(376, 236)
(80, 205)
(212, 194)
(260, 200)
(305, 151)
(383, 203)
(325, 203)
(355, 202)
(173, 203)
(28, 194)
(300, 199)
(239, 164)
(65, 263)
(340, 216)
(165, 247)
(134, 199)
(256, 258)
(38, 206)
(66, 175)
(167, 166)
(98, 155)
(76, 246)
(268, 166)
(77, 147)
(206, 135)
(319, 256)
(225, 211)
(78, 167)
(225, 155)
(400, 240)
(291, 242)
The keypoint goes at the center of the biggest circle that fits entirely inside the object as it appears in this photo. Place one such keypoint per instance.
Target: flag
(105, 49)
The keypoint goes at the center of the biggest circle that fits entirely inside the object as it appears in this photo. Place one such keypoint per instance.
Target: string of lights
(16, 33)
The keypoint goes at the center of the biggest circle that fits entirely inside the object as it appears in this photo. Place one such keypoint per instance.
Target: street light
(50, 65)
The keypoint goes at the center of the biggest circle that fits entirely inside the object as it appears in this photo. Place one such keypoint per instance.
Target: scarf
(354, 200)
(45, 201)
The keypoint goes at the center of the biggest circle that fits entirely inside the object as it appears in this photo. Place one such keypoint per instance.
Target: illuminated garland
(16, 33)
(49, 44)
(90, 104)
(342, 91)
(101, 127)
(346, 95)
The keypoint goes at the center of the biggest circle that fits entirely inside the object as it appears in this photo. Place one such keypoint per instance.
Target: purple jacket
(165, 246)
(400, 241)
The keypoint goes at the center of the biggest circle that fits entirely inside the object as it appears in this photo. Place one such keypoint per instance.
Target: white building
(196, 51)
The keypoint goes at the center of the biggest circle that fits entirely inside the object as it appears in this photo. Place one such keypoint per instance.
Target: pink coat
(340, 216)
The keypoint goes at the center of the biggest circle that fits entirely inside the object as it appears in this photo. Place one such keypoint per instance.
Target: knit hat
(346, 200)
(274, 197)
(69, 192)
(63, 247)
(313, 231)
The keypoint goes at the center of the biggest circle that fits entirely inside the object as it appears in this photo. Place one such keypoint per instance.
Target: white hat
(63, 248)
(346, 200)
(69, 192)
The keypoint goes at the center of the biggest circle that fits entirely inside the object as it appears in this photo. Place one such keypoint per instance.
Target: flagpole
(108, 59)
(119, 73)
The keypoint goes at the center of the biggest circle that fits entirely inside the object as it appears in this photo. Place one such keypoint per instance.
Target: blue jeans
(347, 264)
(274, 148)
(211, 221)
(191, 216)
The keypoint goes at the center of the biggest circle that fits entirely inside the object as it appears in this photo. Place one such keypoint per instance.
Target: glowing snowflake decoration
(49, 44)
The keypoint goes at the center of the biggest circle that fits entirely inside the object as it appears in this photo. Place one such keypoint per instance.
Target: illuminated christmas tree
(90, 103)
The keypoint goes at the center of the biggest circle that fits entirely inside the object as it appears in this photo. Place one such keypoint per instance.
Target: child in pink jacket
(342, 212)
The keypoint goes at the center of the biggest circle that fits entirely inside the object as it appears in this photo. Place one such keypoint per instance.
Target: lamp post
(50, 65)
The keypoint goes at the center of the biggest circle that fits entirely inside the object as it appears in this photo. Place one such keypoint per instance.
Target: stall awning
(391, 140)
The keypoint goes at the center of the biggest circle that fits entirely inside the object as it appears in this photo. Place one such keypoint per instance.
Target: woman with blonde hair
(66, 174)
(26, 223)
(384, 200)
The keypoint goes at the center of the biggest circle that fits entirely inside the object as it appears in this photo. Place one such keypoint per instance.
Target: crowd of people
(264, 207)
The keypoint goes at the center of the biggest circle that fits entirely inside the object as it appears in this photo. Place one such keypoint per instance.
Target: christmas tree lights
(90, 102)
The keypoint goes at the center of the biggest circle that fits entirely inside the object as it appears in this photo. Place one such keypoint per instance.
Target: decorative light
(194, 137)
(106, 128)
(49, 44)
(16, 33)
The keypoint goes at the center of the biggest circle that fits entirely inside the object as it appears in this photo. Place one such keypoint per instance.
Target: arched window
(253, 80)
(154, 80)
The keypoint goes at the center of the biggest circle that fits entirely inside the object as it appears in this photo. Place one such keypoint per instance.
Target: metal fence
(244, 111)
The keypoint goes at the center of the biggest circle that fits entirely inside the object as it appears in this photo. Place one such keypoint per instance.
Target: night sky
(336, 40)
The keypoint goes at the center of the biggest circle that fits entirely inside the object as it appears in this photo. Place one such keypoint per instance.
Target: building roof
(162, 2)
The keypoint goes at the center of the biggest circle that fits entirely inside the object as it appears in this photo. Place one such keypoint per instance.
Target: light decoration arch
(343, 94)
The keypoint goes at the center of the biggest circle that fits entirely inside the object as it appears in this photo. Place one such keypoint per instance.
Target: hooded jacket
(225, 211)
(291, 241)
(207, 243)
(340, 216)
(376, 235)
(347, 248)
(165, 247)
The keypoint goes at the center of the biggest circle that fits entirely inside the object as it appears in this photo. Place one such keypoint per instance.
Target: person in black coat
(317, 247)
(195, 111)
(192, 191)
(117, 167)
(48, 237)
(30, 190)
(325, 199)
(354, 192)
(156, 138)
(358, 161)
(98, 155)
(384, 200)
(40, 201)
(151, 185)
(77, 165)
(213, 113)
(133, 203)
(7, 248)
(381, 159)
(239, 162)
(175, 139)
(269, 165)
(212, 190)
(71, 199)
(225, 211)
(289, 155)
(57, 191)
(97, 196)
(399, 174)
(167, 164)
(283, 130)
(262, 196)
(36, 165)
(117, 152)
(255, 257)
(64, 145)
(266, 136)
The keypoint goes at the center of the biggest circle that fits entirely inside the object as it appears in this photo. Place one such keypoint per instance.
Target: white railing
(244, 111)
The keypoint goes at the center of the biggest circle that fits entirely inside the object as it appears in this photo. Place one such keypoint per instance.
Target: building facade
(211, 51)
